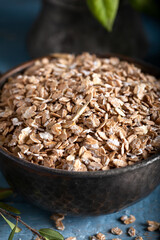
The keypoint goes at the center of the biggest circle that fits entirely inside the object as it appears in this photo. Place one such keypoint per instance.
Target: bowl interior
(146, 68)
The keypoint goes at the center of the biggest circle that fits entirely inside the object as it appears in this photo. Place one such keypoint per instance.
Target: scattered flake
(131, 232)
(58, 221)
(116, 231)
(127, 220)
(153, 226)
(100, 236)
(92, 238)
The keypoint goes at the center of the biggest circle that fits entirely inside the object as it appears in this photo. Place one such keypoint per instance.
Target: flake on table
(92, 238)
(131, 232)
(127, 220)
(58, 221)
(116, 231)
(100, 236)
(153, 226)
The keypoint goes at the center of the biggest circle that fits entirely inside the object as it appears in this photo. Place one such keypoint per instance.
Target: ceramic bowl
(88, 193)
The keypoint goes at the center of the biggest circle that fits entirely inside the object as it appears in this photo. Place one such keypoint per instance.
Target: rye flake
(58, 218)
(153, 226)
(81, 113)
(128, 220)
(116, 231)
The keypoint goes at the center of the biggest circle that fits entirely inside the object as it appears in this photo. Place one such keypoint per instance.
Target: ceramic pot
(68, 26)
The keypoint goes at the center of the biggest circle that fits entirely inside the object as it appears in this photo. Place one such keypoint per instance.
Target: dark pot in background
(68, 26)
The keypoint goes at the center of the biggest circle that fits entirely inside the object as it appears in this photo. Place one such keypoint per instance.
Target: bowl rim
(91, 174)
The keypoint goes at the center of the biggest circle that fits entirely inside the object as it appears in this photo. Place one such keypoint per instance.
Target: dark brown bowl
(91, 193)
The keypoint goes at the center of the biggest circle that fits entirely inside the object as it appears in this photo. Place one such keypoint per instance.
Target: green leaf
(5, 192)
(12, 225)
(50, 234)
(9, 208)
(13, 232)
(104, 11)
(147, 6)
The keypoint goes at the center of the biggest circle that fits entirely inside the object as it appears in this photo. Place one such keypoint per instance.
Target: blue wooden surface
(16, 18)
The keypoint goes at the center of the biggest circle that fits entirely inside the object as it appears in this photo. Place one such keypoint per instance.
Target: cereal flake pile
(81, 113)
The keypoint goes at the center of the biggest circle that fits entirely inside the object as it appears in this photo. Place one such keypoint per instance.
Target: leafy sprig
(7, 210)
(105, 11)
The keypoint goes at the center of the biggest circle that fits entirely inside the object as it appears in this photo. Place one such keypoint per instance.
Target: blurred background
(34, 28)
